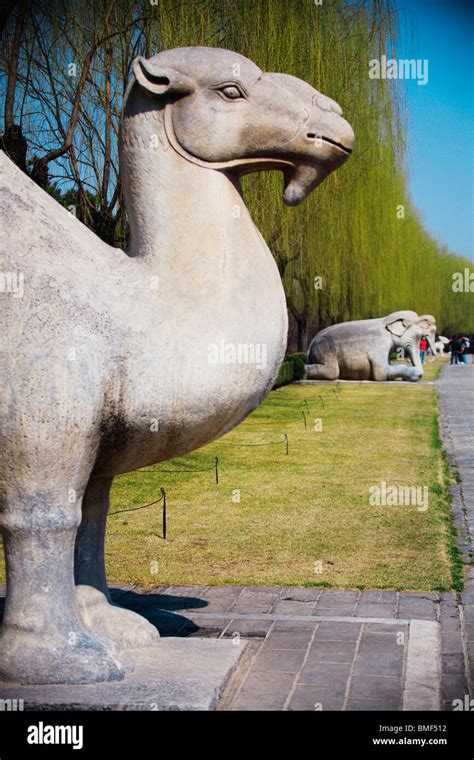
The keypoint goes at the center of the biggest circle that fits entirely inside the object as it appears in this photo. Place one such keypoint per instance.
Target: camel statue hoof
(73, 658)
(125, 628)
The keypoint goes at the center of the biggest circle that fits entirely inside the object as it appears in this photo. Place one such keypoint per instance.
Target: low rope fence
(306, 412)
(214, 468)
(284, 440)
(145, 506)
(187, 470)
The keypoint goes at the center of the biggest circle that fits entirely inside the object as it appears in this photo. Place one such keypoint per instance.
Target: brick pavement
(316, 649)
(312, 648)
(456, 398)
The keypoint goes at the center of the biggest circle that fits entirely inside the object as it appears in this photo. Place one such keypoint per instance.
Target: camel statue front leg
(43, 638)
(99, 614)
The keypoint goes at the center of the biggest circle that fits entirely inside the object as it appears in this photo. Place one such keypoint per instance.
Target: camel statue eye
(231, 91)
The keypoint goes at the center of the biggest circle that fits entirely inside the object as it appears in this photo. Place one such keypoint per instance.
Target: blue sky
(440, 135)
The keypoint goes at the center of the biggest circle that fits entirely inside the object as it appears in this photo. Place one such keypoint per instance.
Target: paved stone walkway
(456, 398)
(313, 649)
(322, 649)
(318, 649)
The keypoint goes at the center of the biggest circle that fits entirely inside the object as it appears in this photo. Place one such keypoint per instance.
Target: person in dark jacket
(454, 345)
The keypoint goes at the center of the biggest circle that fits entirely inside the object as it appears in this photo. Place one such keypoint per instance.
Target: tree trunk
(12, 141)
(302, 327)
(14, 144)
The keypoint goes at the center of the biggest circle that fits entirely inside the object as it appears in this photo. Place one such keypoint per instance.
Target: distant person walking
(423, 347)
(454, 350)
(464, 344)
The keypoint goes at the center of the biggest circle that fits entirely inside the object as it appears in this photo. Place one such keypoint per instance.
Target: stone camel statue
(360, 350)
(106, 358)
(440, 345)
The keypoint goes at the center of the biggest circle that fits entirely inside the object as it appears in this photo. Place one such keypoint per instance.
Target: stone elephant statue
(360, 350)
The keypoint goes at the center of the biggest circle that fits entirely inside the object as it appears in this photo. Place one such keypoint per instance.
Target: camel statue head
(220, 111)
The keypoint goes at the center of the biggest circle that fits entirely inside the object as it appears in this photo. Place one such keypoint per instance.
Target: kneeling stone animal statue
(105, 357)
(360, 350)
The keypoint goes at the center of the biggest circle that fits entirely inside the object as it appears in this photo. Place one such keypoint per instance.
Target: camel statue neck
(163, 189)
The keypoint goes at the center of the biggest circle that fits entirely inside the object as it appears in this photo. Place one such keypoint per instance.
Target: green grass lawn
(303, 518)
(432, 368)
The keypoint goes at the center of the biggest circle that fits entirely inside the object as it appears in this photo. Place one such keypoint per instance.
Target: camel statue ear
(161, 80)
(398, 327)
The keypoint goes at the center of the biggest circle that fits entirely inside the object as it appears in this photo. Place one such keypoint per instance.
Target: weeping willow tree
(356, 247)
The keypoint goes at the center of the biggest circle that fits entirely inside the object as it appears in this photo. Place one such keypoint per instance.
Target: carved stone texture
(109, 358)
(360, 350)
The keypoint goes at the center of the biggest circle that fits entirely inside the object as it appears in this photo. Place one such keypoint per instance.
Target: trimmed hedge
(293, 368)
(299, 365)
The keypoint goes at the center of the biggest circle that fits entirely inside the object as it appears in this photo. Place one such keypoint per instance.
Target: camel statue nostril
(311, 135)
